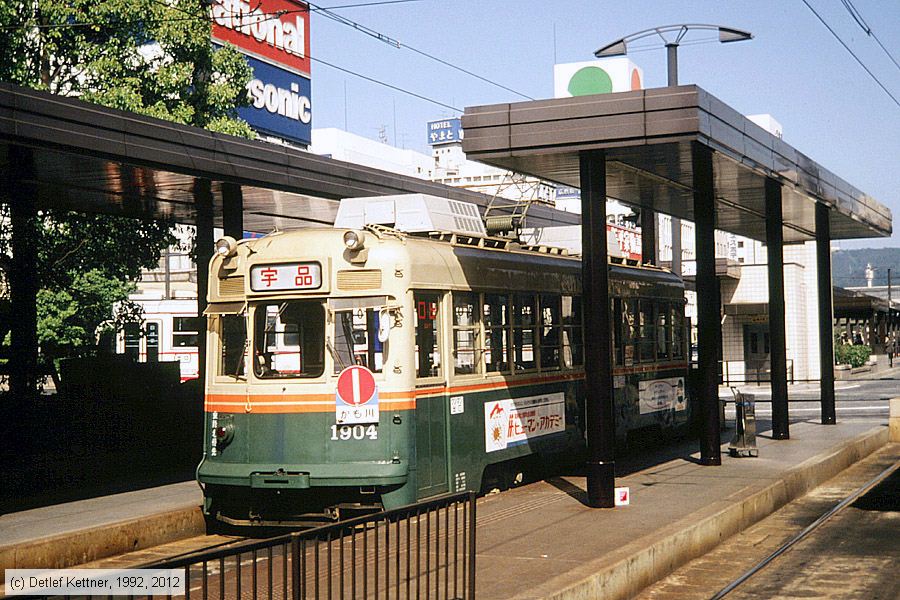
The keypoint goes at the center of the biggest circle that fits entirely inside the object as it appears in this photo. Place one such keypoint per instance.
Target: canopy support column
(648, 236)
(709, 325)
(778, 353)
(233, 210)
(826, 310)
(600, 413)
(23, 276)
(203, 251)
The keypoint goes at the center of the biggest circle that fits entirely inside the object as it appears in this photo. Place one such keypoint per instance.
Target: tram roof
(90, 158)
(648, 135)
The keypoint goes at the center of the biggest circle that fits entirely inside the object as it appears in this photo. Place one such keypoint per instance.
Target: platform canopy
(90, 158)
(647, 136)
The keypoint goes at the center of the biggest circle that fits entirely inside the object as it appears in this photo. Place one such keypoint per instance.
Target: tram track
(837, 541)
(837, 508)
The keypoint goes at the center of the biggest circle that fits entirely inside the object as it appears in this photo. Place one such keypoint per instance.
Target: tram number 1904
(353, 432)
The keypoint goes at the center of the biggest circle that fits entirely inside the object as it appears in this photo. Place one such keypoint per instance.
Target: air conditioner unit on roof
(412, 213)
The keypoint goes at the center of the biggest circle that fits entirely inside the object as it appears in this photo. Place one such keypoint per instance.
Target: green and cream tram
(369, 367)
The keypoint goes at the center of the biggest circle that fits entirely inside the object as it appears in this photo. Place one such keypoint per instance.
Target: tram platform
(539, 540)
(73, 533)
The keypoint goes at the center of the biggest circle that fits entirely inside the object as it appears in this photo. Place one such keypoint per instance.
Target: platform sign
(515, 421)
(356, 399)
(445, 131)
(623, 496)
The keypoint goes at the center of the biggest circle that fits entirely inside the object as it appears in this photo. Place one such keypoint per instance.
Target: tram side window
(678, 331)
(289, 339)
(185, 331)
(233, 339)
(663, 332)
(573, 344)
(428, 349)
(550, 331)
(629, 330)
(356, 340)
(133, 341)
(465, 333)
(618, 347)
(646, 332)
(496, 321)
(524, 321)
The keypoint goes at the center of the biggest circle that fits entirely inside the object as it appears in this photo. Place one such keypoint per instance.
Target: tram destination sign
(286, 276)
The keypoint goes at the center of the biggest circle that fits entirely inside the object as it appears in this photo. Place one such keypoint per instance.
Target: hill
(848, 267)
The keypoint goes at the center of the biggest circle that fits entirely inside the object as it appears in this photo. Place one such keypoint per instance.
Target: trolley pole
(601, 423)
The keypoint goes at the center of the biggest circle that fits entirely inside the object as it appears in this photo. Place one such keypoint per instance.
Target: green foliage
(853, 355)
(152, 57)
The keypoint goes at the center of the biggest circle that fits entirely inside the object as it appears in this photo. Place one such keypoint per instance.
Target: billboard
(274, 36)
(445, 131)
(603, 76)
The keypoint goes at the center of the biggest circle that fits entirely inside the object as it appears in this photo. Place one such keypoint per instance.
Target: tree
(152, 57)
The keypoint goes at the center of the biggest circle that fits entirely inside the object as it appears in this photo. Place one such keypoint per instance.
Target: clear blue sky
(794, 69)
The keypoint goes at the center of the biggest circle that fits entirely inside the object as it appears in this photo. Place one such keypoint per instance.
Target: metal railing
(422, 551)
(749, 373)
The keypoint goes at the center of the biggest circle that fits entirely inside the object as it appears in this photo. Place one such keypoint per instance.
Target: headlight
(226, 246)
(354, 240)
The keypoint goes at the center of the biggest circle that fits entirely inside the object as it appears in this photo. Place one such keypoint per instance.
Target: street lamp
(620, 47)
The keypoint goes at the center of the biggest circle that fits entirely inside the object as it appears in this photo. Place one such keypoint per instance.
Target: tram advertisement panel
(661, 394)
(511, 422)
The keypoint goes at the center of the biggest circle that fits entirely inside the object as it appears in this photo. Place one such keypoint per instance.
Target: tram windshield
(289, 339)
(356, 339)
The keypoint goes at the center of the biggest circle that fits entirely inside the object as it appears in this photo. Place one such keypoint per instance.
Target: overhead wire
(853, 54)
(191, 16)
(397, 44)
(857, 16)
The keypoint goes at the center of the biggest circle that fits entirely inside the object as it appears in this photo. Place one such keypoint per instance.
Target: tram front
(304, 419)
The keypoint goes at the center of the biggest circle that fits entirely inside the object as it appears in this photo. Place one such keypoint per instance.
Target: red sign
(276, 31)
(628, 240)
(356, 385)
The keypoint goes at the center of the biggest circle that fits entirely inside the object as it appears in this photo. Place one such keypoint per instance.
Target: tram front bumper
(275, 476)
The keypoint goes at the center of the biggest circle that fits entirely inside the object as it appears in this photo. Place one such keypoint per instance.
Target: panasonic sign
(274, 36)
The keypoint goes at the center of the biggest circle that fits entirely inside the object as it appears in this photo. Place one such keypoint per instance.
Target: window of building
(186, 331)
(496, 321)
(466, 323)
(428, 349)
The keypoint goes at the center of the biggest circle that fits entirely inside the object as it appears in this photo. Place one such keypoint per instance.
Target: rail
(425, 550)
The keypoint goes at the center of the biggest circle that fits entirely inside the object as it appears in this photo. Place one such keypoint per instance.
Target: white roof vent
(412, 213)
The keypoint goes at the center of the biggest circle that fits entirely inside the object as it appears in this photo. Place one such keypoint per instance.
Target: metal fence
(423, 551)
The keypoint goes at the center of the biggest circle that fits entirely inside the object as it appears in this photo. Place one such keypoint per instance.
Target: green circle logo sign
(590, 80)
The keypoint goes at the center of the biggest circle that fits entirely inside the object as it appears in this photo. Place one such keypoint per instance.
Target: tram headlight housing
(226, 246)
(354, 240)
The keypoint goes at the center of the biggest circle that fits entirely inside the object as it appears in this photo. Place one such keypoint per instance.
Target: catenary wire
(857, 16)
(397, 44)
(853, 54)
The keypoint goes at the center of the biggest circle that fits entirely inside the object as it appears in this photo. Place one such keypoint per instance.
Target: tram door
(431, 412)
(757, 363)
